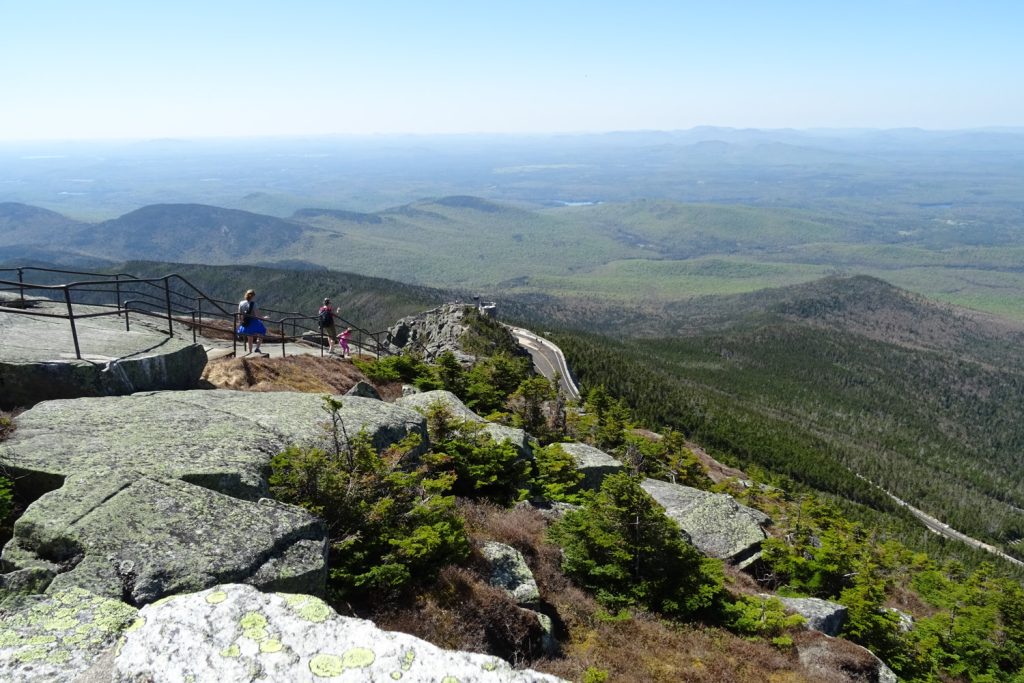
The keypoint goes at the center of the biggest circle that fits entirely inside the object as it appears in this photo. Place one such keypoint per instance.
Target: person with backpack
(250, 326)
(325, 319)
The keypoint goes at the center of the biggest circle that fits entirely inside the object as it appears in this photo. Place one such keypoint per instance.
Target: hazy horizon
(124, 71)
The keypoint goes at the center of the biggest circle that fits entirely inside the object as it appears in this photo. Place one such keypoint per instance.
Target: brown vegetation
(461, 611)
(311, 374)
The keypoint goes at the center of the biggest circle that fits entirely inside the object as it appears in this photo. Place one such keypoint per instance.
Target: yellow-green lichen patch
(271, 645)
(67, 624)
(32, 654)
(231, 650)
(111, 616)
(216, 597)
(396, 675)
(326, 666)
(309, 608)
(449, 679)
(136, 625)
(254, 626)
(490, 666)
(60, 624)
(407, 659)
(358, 658)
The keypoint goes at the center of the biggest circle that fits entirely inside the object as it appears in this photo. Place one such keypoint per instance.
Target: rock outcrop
(38, 361)
(824, 616)
(158, 493)
(715, 523)
(432, 333)
(424, 400)
(594, 463)
(233, 633)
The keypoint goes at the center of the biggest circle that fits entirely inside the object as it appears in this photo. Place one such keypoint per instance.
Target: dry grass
(310, 374)
(639, 648)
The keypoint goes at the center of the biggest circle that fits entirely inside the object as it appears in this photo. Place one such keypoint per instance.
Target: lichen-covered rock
(235, 633)
(56, 637)
(158, 493)
(821, 615)
(715, 523)
(510, 572)
(425, 400)
(594, 463)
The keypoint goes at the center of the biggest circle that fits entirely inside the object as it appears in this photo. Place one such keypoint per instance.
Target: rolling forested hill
(837, 382)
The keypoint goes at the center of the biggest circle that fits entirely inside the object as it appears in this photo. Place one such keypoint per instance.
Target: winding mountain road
(943, 529)
(548, 359)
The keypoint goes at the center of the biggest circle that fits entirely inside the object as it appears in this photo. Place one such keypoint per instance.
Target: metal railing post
(21, 284)
(234, 334)
(167, 298)
(194, 338)
(282, 339)
(117, 286)
(71, 319)
(127, 324)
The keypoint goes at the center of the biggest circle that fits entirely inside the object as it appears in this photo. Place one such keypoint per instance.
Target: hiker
(325, 319)
(251, 327)
(343, 340)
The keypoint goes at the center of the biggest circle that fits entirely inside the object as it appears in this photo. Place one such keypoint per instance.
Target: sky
(223, 68)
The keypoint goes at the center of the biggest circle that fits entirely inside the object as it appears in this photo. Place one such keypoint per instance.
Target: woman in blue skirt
(251, 325)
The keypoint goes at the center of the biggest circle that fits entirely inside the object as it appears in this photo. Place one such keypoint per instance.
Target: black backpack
(325, 318)
(245, 308)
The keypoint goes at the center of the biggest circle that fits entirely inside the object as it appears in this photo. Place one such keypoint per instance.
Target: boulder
(365, 390)
(823, 616)
(28, 383)
(236, 633)
(424, 400)
(835, 659)
(510, 572)
(594, 463)
(715, 523)
(144, 496)
(58, 636)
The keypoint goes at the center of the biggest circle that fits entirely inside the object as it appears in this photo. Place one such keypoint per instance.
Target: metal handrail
(154, 297)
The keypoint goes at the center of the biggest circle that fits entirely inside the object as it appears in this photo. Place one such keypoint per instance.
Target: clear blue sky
(182, 68)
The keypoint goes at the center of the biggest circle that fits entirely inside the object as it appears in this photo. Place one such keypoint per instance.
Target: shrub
(621, 545)
(388, 523)
(482, 467)
(408, 368)
(760, 617)
(557, 477)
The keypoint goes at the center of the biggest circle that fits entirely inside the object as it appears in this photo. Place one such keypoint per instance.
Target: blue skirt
(254, 327)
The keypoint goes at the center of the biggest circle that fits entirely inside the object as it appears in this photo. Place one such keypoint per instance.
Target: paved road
(548, 359)
(944, 529)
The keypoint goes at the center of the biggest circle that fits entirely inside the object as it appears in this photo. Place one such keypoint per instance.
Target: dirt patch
(309, 374)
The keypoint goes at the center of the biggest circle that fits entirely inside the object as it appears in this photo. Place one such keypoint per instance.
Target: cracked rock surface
(157, 493)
